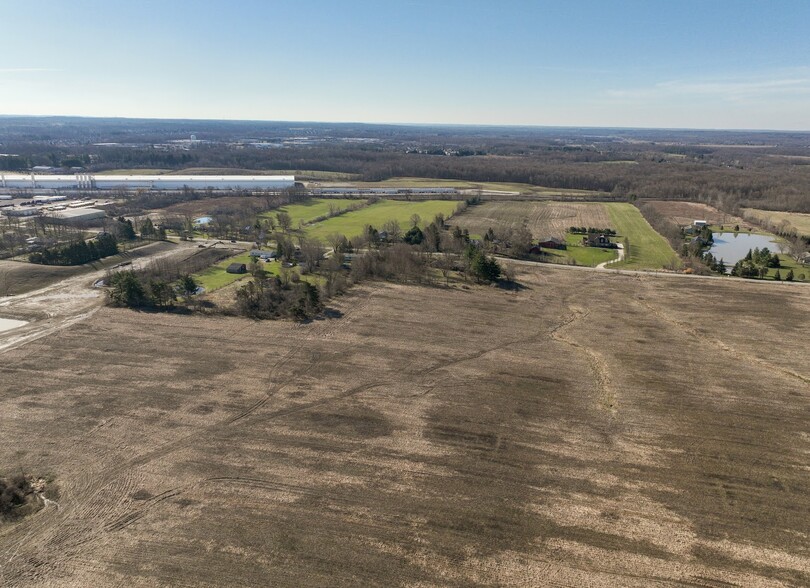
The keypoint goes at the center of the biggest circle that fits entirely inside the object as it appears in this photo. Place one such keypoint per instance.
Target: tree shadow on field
(511, 285)
(330, 313)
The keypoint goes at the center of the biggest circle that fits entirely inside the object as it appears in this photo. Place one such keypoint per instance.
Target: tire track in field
(718, 343)
(597, 363)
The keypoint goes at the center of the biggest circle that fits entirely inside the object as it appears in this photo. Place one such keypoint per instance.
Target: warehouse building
(76, 216)
(21, 211)
(84, 181)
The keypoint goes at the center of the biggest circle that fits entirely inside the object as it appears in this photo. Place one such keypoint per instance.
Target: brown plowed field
(591, 429)
(544, 219)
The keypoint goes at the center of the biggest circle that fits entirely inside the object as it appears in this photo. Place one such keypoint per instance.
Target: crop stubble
(591, 428)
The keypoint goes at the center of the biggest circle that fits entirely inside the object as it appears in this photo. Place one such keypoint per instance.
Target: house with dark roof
(597, 240)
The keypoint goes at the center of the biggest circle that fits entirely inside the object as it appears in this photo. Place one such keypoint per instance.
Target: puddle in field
(8, 324)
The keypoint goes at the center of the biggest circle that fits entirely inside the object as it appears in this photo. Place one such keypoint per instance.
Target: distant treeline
(725, 169)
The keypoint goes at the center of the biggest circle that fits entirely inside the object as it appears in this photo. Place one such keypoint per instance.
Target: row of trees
(756, 264)
(591, 230)
(78, 252)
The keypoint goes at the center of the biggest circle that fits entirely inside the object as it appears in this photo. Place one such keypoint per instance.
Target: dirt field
(544, 219)
(17, 277)
(685, 213)
(799, 221)
(592, 429)
(227, 204)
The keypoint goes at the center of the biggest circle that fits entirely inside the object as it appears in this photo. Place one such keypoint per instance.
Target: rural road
(650, 273)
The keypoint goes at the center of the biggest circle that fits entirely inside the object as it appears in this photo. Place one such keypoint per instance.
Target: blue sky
(638, 63)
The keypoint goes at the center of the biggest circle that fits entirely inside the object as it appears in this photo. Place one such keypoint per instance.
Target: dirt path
(60, 305)
(604, 264)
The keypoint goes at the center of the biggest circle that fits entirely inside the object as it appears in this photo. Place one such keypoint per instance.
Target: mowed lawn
(304, 212)
(648, 249)
(352, 224)
(216, 277)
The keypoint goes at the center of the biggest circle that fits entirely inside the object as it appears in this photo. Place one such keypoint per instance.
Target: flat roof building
(76, 215)
(83, 181)
(21, 211)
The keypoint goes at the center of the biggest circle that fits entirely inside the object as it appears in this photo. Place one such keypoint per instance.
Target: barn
(236, 268)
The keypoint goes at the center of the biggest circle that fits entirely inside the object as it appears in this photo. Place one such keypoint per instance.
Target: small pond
(203, 220)
(8, 324)
(732, 247)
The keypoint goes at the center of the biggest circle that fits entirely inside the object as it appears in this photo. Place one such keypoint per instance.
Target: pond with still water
(732, 247)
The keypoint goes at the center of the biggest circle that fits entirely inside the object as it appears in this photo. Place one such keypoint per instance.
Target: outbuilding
(236, 268)
(552, 243)
(77, 216)
(21, 211)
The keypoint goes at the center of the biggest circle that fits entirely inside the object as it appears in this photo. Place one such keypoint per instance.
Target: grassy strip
(648, 249)
(352, 224)
(304, 212)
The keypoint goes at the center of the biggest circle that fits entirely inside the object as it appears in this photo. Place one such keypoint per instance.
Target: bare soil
(590, 429)
(544, 219)
(18, 277)
(224, 204)
(685, 213)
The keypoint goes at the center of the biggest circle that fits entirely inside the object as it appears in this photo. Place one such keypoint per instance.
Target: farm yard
(648, 250)
(428, 436)
(685, 213)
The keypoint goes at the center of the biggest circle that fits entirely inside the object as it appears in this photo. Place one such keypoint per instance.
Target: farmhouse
(265, 255)
(596, 240)
(699, 224)
(236, 268)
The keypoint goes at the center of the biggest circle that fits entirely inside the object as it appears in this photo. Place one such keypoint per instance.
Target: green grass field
(352, 224)
(648, 249)
(788, 263)
(216, 277)
(303, 212)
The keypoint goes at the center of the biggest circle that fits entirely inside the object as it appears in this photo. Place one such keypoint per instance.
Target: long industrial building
(161, 182)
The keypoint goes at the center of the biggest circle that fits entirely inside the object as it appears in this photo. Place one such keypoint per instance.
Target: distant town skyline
(689, 64)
